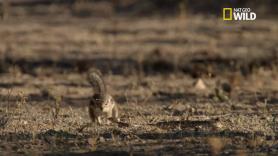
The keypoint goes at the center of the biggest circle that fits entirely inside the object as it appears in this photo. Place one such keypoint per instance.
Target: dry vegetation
(151, 66)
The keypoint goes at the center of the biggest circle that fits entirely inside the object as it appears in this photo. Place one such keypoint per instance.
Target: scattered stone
(226, 87)
(101, 139)
(218, 125)
(220, 95)
(177, 106)
(216, 145)
(200, 85)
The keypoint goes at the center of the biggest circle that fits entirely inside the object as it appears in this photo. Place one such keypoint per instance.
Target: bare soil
(150, 66)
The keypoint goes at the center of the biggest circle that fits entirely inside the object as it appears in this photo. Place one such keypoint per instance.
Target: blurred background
(70, 34)
(133, 7)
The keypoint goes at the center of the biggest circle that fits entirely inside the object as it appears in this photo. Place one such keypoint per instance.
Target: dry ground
(150, 66)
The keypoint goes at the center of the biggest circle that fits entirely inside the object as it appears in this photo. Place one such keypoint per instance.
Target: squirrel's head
(97, 101)
(102, 103)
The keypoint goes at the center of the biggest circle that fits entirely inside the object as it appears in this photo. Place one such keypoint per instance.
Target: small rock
(101, 139)
(25, 122)
(200, 85)
(178, 106)
(218, 125)
(220, 95)
(226, 87)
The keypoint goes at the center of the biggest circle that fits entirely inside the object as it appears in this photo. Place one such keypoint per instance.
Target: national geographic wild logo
(238, 14)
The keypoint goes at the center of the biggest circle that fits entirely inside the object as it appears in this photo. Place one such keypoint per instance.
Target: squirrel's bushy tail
(97, 82)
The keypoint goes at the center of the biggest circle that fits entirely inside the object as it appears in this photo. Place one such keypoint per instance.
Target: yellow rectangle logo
(227, 17)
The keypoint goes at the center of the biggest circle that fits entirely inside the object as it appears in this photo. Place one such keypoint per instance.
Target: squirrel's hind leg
(99, 121)
(115, 113)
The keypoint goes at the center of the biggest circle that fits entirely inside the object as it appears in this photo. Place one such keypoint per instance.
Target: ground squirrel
(102, 105)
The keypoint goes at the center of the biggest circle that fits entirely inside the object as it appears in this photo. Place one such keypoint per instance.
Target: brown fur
(102, 105)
